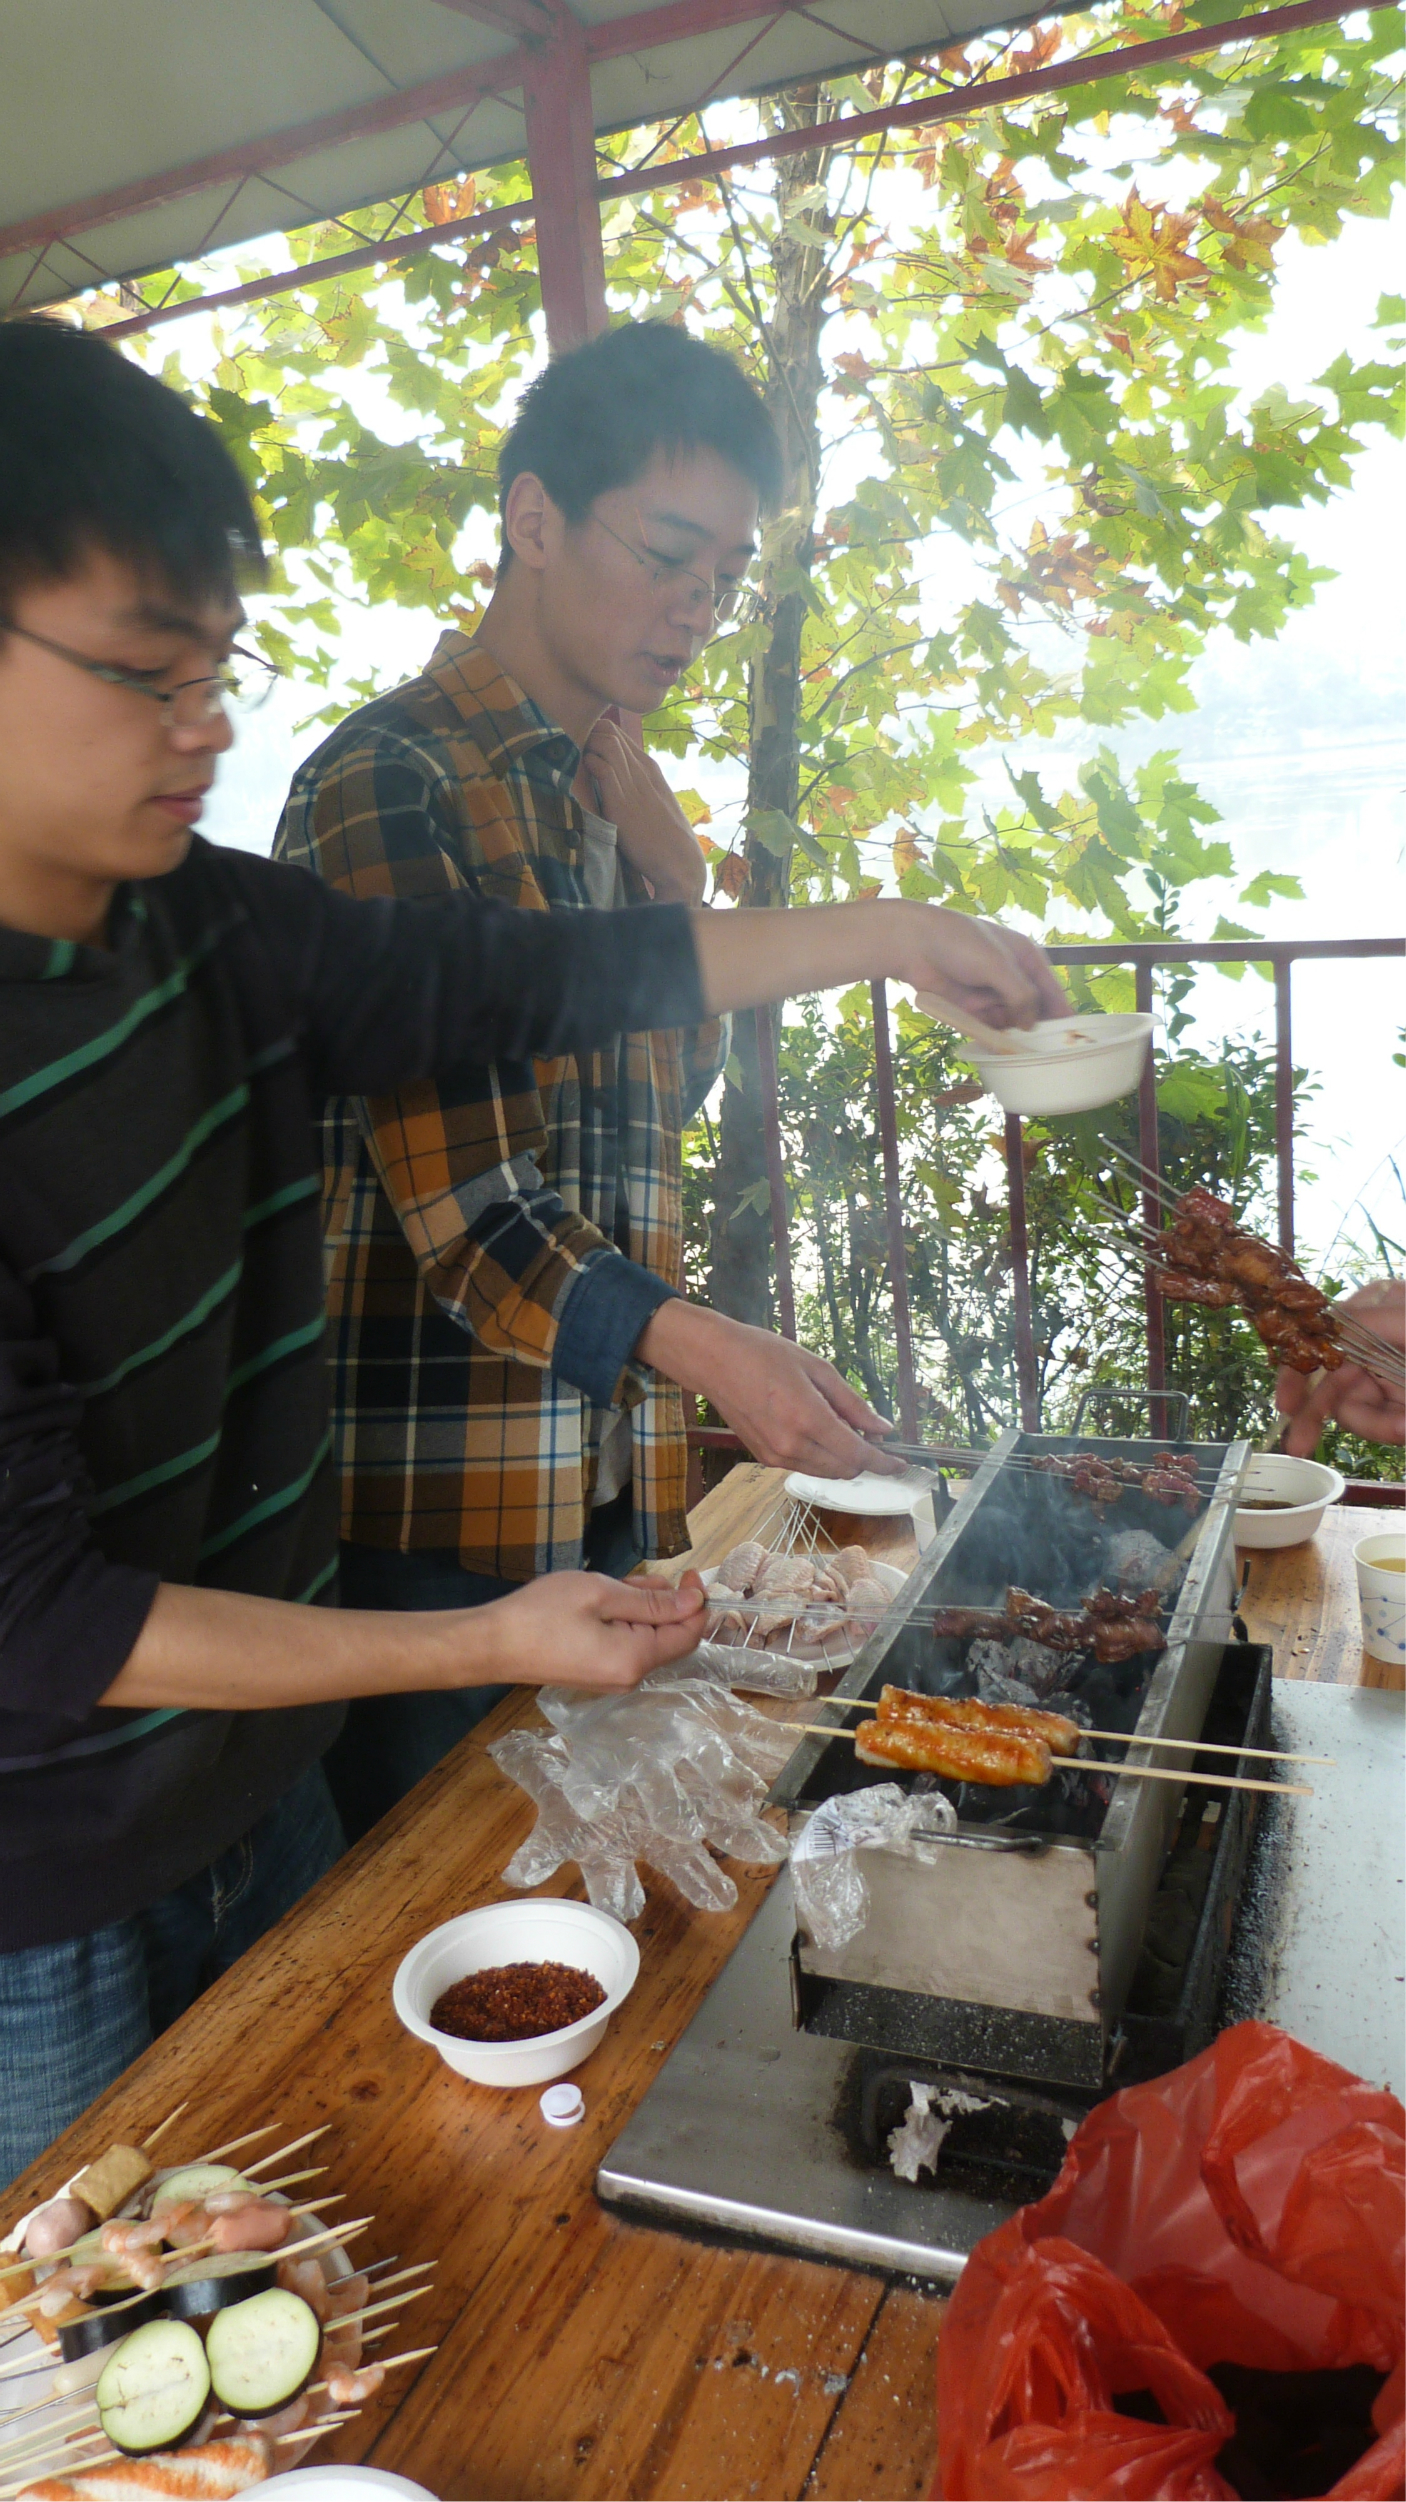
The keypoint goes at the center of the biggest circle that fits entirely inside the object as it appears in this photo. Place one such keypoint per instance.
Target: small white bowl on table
(543, 1929)
(1304, 1487)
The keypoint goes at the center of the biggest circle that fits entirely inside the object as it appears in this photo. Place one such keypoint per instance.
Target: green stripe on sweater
(199, 1312)
(271, 1505)
(181, 1466)
(151, 1189)
(102, 1046)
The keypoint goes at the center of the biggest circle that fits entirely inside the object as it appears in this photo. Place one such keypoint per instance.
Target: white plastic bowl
(542, 1930)
(1304, 1485)
(1068, 1064)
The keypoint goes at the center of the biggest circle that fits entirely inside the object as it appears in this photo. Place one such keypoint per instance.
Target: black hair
(596, 417)
(95, 452)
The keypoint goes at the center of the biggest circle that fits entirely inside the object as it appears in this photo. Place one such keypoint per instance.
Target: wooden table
(577, 2354)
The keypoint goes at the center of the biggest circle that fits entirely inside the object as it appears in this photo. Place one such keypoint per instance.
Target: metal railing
(1145, 957)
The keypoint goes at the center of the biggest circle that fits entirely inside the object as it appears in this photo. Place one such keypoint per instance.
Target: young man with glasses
(171, 1017)
(505, 1247)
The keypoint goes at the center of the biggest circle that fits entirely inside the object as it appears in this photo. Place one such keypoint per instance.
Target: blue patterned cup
(1381, 1588)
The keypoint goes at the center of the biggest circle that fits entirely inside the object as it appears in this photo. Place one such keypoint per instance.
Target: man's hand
(579, 1628)
(655, 835)
(791, 1408)
(992, 973)
(1357, 1399)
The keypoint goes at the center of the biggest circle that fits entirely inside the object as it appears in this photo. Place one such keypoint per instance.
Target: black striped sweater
(163, 1407)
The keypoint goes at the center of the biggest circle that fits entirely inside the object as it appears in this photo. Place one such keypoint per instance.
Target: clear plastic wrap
(832, 1898)
(666, 1774)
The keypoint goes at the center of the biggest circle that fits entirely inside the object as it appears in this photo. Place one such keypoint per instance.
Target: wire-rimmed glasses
(243, 682)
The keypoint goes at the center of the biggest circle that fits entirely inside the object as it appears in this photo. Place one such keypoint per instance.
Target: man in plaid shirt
(504, 1250)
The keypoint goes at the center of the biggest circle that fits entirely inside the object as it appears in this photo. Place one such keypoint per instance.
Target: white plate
(344, 2484)
(868, 1496)
(843, 1657)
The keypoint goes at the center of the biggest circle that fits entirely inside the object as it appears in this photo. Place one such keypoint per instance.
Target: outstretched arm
(996, 974)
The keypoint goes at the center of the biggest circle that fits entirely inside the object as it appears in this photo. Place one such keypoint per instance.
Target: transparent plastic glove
(832, 1899)
(665, 1774)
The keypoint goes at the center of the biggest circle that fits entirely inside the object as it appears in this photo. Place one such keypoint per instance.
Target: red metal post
(1151, 1210)
(776, 1168)
(1027, 1371)
(561, 158)
(893, 1213)
(1284, 1096)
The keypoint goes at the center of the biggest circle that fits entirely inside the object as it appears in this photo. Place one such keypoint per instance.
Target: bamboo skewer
(233, 2144)
(1085, 1763)
(1116, 1737)
(149, 2142)
(296, 2147)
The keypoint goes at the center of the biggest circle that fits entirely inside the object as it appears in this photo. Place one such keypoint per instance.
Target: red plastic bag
(1250, 2208)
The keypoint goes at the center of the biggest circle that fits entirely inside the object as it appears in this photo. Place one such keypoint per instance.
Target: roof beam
(679, 19)
(534, 20)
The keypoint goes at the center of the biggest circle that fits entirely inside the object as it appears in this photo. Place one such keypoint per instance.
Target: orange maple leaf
(1151, 242)
(446, 200)
(1246, 242)
(907, 852)
(734, 876)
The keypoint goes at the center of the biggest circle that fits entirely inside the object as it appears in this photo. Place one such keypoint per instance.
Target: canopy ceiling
(138, 133)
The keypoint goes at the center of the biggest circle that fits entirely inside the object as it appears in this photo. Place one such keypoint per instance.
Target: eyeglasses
(725, 604)
(244, 680)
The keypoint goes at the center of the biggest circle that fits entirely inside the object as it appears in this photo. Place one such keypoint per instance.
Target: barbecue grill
(1059, 1943)
(1010, 1945)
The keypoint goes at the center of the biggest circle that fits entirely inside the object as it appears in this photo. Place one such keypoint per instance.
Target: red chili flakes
(512, 2002)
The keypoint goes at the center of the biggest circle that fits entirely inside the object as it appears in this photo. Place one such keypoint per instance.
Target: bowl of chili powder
(506, 1984)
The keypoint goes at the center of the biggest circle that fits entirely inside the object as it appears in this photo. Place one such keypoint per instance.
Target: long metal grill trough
(1010, 1947)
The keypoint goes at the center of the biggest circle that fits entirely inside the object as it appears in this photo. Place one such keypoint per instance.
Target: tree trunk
(741, 1245)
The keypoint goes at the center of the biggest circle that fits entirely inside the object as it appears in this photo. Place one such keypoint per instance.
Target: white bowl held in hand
(1067, 1064)
(541, 1930)
(1303, 1488)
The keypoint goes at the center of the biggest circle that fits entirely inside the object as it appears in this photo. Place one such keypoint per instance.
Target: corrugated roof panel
(165, 105)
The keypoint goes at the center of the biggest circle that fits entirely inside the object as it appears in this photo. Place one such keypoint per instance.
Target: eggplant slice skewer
(262, 2353)
(154, 2391)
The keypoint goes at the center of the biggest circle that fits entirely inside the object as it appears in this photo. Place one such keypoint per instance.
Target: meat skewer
(906, 1744)
(1112, 1627)
(1205, 1256)
(941, 1706)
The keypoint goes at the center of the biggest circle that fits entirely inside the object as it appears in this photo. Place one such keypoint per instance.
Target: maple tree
(1022, 491)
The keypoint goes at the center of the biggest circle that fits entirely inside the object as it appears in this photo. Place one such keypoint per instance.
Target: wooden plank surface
(578, 2355)
(1303, 1600)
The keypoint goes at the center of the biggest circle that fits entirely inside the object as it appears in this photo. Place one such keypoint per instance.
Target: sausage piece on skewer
(997, 1759)
(1047, 1728)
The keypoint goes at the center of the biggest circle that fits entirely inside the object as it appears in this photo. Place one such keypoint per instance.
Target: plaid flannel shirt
(497, 1240)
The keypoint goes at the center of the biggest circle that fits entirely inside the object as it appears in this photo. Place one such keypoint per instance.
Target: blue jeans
(74, 2015)
(391, 1741)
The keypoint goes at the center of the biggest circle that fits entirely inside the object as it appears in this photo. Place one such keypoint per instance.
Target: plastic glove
(665, 1774)
(832, 1899)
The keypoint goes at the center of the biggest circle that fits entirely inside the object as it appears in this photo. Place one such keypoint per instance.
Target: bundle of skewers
(1201, 1254)
(190, 2328)
(1010, 1746)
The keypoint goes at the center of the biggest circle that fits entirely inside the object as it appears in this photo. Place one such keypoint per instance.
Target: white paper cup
(1382, 1594)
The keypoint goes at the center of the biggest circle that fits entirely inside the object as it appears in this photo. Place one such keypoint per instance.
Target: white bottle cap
(562, 2106)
